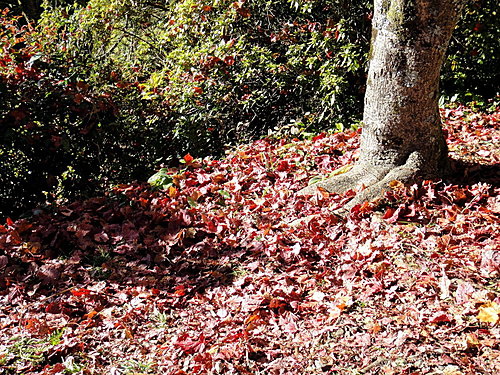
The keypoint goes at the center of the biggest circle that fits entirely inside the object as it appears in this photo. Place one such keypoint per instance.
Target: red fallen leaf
(440, 317)
(276, 303)
(180, 290)
(319, 136)
(392, 215)
(58, 368)
(82, 86)
(53, 308)
(244, 12)
(283, 166)
(22, 226)
(101, 237)
(210, 225)
(14, 238)
(203, 358)
(233, 337)
(9, 222)
(190, 346)
(78, 98)
(81, 292)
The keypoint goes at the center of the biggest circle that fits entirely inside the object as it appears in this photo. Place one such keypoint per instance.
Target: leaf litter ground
(207, 276)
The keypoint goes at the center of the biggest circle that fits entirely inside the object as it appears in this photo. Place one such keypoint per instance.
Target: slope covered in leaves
(207, 276)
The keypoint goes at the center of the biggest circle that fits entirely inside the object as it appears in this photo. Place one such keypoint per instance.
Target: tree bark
(402, 137)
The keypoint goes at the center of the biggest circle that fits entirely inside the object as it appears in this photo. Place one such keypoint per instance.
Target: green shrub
(61, 137)
(225, 70)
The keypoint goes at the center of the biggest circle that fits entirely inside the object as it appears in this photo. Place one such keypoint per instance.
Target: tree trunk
(402, 137)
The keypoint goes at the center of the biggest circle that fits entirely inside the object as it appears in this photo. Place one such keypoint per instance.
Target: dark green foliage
(107, 91)
(472, 70)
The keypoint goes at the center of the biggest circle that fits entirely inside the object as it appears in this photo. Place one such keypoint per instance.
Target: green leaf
(341, 170)
(192, 203)
(161, 179)
(225, 194)
(315, 180)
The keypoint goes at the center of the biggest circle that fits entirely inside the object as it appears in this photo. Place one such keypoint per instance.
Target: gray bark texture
(402, 137)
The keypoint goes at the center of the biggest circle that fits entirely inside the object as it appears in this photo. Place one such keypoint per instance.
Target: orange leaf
(172, 192)
(196, 195)
(251, 318)
(81, 292)
(395, 184)
(91, 314)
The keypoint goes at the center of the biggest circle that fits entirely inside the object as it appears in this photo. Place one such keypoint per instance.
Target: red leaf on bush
(229, 60)
(188, 159)
(78, 98)
(244, 12)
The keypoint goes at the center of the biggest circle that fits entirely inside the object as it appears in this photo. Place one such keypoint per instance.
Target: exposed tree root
(370, 182)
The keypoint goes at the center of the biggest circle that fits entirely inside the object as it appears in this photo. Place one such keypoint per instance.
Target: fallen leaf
(489, 313)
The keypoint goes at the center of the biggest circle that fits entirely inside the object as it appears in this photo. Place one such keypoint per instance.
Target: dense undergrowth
(104, 92)
(204, 274)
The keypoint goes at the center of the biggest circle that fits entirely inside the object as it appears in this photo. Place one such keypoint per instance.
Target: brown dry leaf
(472, 341)
(452, 370)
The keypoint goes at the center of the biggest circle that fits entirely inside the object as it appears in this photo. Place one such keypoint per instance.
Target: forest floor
(207, 276)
